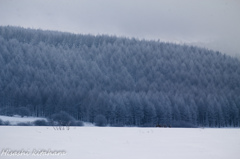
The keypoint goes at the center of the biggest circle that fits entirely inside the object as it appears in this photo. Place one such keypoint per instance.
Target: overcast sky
(210, 23)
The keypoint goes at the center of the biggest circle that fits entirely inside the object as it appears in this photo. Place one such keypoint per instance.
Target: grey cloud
(211, 24)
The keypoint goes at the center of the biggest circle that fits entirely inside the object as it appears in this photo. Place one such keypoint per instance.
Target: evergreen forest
(126, 81)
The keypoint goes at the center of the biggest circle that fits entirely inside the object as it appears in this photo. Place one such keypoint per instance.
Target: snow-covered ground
(17, 119)
(14, 120)
(119, 143)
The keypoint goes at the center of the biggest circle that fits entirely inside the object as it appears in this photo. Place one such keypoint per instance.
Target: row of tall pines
(128, 81)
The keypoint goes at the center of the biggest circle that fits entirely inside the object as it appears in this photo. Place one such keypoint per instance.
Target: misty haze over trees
(118, 80)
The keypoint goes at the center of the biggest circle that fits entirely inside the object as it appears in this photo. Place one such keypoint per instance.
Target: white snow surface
(122, 143)
(14, 120)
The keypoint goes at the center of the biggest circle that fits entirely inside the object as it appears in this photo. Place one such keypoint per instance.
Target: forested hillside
(128, 81)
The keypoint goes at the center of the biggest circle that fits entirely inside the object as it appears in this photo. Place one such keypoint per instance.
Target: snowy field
(119, 143)
(17, 119)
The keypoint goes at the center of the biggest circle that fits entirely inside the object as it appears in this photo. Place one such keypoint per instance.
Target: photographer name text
(34, 152)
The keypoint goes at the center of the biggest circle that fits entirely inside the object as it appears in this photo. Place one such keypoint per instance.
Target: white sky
(210, 23)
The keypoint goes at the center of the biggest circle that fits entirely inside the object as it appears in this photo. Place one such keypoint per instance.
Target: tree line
(127, 81)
